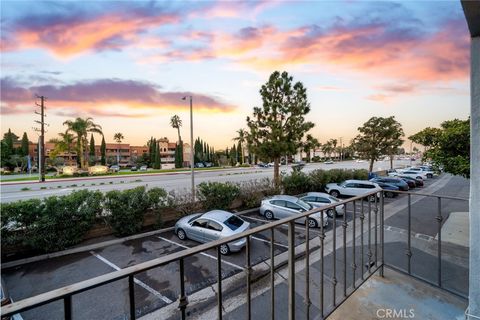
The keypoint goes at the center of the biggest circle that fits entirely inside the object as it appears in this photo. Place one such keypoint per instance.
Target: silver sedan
(213, 225)
(282, 206)
(320, 199)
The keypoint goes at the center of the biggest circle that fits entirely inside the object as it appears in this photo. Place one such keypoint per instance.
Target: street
(13, 191)
(159, 287)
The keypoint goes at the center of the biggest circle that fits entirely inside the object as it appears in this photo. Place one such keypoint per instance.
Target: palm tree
(176, 123)
(118, 137)
(81, 127)
(241, 138)
(64, 144)
(309, 144)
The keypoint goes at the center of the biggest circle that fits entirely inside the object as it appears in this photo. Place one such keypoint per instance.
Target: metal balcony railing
(367, 224)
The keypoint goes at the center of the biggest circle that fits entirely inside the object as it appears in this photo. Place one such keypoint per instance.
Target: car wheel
(389, 194)
(419, 177)
(312, 223)
(330, 213)
(269, 215)
(429, 176)
(224, 249)
(181, 234)
(372, 198)
(334, 193)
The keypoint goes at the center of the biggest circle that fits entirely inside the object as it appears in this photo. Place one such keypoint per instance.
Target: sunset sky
(127, 64)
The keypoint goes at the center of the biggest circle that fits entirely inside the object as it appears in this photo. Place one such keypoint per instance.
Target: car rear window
(233, 222)
(193, 218)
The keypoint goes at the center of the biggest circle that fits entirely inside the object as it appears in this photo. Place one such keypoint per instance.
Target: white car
(429, 173)
(409, 173)
(320, 199)
(353, 188)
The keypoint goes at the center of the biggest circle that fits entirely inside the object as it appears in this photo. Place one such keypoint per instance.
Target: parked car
(428, 173)
(114, 168)
(199, 165)
(401, 184)
(328, 162)
(320, 199)
(388, 189)
(417, 182)
(282, 206)
(143, 168)
(133, 168)
(213, 225)
(352, 188)
(409, 173)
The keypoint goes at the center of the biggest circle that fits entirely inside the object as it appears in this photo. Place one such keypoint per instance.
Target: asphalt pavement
(159, 287)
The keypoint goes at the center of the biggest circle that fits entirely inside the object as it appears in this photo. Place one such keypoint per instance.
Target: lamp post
(192, 164)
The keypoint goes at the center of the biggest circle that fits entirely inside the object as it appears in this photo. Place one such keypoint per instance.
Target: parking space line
(268, 241)
(203, 253)
(140, 283)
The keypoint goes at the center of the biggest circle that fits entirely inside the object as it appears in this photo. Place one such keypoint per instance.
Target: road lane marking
(202, 253)
(140, 283)
(268, 241)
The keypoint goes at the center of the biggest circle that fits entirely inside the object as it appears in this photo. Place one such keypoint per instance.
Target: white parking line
(268, 241)
(203, 253)
(140, 283)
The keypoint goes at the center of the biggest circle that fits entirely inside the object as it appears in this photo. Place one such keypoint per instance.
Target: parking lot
(159, 287)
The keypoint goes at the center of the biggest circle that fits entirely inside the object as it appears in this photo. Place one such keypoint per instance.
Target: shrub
(318, 179)
(183, 203)
(65, 220)
(52, 224)
(296, 183)
(217, 195)
(157, 200)
(254, 191)
(126, 210)
(360, 174)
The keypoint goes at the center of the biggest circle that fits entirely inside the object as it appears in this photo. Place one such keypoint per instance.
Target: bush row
(299, 182)
(59, 222)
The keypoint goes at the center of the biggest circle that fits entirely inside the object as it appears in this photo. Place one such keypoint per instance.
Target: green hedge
(217, 195)
(54, 223)
(299, 182)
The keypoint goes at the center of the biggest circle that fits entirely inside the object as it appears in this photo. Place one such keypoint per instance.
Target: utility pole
(192, 155)
(41, 141)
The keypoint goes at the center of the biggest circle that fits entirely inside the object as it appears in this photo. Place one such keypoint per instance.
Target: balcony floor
(403, 294)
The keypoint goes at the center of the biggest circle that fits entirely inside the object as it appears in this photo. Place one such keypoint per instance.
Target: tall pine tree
(91, 151)
(103, 151)
(24, 147)
(157, 163)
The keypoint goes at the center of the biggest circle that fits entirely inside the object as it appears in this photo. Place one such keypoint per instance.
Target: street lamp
(192, 164)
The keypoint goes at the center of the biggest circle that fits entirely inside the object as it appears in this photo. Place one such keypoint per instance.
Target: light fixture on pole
(192, 164)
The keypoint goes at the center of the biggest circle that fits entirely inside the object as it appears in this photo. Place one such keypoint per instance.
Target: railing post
(354, 264)
(344, 226)
(369, 253)
(249, 271)
(376, 229)
(291, 270)
(322, 238)
(382, 232)
(334, 244)
(362, 217)
(439, 219)
(183, 301)
(131, 296)
(272, 273)
(307, 267)
(67, 307)
(219, 283)
(409, 234)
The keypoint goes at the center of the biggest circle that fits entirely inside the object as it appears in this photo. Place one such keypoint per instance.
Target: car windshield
(233, 222)
(193, 218)
(304, 204)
